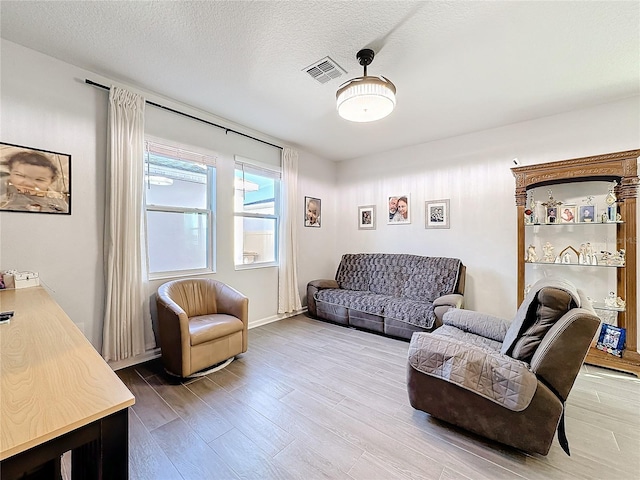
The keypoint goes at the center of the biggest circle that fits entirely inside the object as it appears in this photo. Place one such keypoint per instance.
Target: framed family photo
(34, 180)
(312, 208)
(436, 214)
(399, 209)
(367, 217)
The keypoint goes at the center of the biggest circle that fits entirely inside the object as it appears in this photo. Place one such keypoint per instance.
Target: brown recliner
(201, 323)
(507, 381)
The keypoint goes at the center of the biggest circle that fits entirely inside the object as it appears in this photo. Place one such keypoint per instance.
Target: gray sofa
(393, 294)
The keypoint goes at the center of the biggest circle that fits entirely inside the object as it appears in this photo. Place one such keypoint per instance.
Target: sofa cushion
(363, 301)
(552, 304)
(449, 331)
(410, 311)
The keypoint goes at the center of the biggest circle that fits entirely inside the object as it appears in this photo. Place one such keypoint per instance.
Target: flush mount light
(366, 98)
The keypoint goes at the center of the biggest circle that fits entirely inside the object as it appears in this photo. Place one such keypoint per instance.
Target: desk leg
(107, 457)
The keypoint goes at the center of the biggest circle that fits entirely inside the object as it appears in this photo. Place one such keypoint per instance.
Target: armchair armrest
(477, 323)
(312, 288)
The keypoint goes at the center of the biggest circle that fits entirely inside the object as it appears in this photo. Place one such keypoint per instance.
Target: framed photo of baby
(312, 210)
(34, 180)
(399, 210)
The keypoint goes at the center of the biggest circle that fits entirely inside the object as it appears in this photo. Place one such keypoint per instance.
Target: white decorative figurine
(532, 256)
(549, 257)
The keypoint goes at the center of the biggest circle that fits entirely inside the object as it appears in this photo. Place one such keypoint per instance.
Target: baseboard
(275, 318)
(155, 353)
(129, 362)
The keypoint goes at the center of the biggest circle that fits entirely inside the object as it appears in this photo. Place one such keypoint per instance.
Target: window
(256, 205)
(180, 193)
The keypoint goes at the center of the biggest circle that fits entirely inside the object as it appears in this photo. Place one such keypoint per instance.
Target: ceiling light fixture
(366, 98)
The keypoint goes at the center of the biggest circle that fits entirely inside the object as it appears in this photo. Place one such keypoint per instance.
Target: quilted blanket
(480, 368)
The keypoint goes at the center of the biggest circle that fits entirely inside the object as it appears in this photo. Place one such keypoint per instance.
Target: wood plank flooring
(311, 400)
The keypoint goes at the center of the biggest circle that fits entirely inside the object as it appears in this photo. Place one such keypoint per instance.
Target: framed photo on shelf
(34, 180)
(399, 209)
(367, 217)
(436, 214)
(612, 339)
(568, 214)
(551, 215)
(312, 209)
(587, 213)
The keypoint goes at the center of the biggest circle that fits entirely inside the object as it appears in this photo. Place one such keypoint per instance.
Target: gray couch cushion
(409, 311)
(363, 301)
(354, 272)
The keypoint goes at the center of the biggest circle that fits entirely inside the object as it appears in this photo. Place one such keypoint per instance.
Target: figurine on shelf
(530, 212)
(611, 300)
(566, 258)
(532, 256)
(549, 256)
(611, 200)
(582, 258)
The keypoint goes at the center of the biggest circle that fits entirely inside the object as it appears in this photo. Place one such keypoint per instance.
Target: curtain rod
(227, 130)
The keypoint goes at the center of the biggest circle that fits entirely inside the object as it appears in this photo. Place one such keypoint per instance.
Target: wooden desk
(57, 394)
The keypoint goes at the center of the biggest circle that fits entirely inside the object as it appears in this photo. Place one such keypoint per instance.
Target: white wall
(46, 104)
(473, 171)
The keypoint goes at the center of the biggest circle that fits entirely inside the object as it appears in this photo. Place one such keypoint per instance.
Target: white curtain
(127, 305)
(288, 296)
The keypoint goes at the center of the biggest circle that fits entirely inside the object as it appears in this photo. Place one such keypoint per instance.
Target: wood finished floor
(311, 400)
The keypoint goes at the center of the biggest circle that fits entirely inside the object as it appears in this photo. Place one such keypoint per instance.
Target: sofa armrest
(312, 288)
(442, 305)
(477, 323)
(453, 300)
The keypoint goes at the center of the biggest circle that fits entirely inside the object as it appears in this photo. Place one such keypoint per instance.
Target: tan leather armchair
(201, 322)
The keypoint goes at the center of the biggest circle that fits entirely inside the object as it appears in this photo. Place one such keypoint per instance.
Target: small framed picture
(587, 213)
(312, 208)
(399, 209)
(567, 214)
(612, 339)
(436, 214)
(367, 217)
(34, 180)
(551, 215)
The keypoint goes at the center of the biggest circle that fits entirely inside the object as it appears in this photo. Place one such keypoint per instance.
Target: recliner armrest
(477, 323)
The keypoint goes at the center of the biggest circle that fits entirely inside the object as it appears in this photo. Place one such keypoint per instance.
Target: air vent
(325, 70)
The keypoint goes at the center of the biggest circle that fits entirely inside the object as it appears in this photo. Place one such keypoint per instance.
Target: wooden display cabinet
(621, 167)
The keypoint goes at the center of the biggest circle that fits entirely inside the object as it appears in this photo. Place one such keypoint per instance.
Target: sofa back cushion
(432, 277)
(354, 272)
(399, 275)
(549, 306)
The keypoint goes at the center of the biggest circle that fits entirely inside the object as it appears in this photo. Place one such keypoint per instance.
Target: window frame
(270, 171)
(184, 153)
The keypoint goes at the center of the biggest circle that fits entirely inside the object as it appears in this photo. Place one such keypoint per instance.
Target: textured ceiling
(459, 66)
